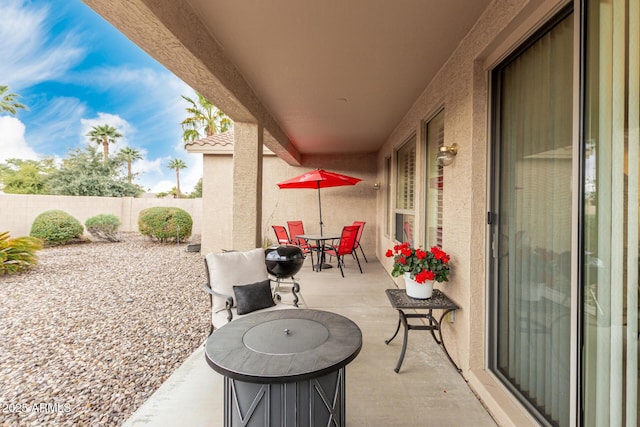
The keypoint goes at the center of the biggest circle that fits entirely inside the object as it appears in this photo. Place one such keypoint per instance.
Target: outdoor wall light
(446, 154)
(376, 186)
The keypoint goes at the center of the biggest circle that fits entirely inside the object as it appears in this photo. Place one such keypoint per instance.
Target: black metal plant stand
(438, 301)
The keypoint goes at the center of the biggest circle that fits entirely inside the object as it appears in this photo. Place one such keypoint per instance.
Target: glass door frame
(493, 173)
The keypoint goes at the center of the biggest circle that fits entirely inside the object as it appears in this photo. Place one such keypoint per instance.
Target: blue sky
(73, 70)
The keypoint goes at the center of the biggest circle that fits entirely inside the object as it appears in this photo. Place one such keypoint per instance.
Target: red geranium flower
(420, 264)
(421, 277)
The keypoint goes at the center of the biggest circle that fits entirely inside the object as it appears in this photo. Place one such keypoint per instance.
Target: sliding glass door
(612, 153)
(531, 217)
(531, 220)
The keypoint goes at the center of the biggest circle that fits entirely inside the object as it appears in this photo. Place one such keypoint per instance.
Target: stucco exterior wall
(217, 193)
(462, 89)
(340, 205)
(17, 211)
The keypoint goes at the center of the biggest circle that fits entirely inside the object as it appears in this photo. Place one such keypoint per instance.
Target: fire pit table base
(316, 402)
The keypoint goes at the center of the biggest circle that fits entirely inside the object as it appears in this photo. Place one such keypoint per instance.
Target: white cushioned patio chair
(239, 284)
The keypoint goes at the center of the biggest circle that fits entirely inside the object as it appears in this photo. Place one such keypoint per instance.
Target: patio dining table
(320, 240)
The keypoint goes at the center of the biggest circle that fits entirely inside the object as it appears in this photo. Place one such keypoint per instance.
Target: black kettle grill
(283, 261)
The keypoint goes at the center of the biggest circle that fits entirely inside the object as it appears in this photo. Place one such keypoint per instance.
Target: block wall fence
(17, 211)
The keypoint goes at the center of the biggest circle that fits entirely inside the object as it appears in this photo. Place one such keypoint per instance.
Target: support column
(247, 186)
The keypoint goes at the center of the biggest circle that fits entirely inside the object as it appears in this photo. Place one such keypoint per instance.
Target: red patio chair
(345, 246)
(408, 232)
(281, 235)
(360, 224)
(296, 228)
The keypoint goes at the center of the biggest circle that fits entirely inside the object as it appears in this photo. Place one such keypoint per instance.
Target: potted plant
(420, 268)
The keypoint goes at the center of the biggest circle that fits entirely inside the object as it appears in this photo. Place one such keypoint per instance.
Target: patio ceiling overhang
(321, 77)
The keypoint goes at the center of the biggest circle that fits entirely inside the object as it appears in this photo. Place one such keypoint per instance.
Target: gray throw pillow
(253, 297)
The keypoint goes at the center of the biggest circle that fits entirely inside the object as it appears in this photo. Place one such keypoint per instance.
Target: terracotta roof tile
(219, 140)
(221, 143)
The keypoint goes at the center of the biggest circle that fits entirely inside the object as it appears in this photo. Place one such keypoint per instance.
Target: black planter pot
(283, 261)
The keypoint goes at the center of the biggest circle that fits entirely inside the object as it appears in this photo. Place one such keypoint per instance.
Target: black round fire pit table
(284, 367)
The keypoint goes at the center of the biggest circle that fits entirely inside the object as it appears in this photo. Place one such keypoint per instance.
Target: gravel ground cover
(94, 329)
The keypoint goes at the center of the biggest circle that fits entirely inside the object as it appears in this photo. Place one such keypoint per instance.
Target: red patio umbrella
(319, 178)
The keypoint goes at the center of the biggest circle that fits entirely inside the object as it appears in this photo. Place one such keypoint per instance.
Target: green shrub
(17, 254)
(104, 227)
(165, 224)
(56, 227)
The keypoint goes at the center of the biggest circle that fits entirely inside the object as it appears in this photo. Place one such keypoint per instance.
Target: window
(532, 242)
(387, 196)
(405, 191)
(434, 181)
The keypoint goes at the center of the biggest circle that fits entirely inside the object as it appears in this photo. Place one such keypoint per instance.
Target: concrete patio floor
(427, 392)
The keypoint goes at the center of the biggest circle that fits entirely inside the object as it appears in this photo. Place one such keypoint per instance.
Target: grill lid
(284, 260)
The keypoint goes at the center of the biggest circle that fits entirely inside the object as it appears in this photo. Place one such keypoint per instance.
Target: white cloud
(152, 174)
(123, 126)
(158, 88)
(126, 76)
(147, 166)
(25, 45)
(158, 177)
(162, 186)
(58, 121)
(12, 140)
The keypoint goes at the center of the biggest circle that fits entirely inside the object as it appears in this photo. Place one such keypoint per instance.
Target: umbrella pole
(321, 261)
(320, 208)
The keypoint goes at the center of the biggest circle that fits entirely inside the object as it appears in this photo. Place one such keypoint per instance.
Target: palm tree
(204, 116)
(104, 135)
(129, 155)
(177, 164)
(8, 101)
